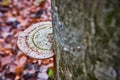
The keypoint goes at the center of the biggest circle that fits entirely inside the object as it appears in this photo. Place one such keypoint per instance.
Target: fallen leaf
(6, 60)
(39, 62)
(12, 68)
(45, 61)
(8, 51)
(22, 60)
(43, 76)
(50, 65)
(43, 68)
(19, 70)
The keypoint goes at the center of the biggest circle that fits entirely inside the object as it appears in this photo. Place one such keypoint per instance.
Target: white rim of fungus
(34, 41)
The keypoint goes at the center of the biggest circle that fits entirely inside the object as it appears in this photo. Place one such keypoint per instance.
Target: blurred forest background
(16, 16)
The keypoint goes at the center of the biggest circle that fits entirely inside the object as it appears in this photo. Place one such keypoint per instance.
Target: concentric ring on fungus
(34, 41)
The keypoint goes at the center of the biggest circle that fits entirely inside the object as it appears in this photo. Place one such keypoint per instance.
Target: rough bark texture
(87, 39)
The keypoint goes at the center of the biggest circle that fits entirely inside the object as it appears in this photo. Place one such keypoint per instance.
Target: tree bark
(87, 39)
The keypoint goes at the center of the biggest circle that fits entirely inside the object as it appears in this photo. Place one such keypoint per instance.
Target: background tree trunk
(87, 39)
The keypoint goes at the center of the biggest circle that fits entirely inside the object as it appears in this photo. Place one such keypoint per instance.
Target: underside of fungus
(35, 41)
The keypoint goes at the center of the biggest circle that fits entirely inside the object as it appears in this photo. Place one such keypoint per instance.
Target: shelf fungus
(35, 41)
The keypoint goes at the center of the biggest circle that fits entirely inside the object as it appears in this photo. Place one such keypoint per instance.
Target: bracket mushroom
(34, 41)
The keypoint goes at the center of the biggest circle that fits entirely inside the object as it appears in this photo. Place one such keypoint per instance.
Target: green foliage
(50, 73)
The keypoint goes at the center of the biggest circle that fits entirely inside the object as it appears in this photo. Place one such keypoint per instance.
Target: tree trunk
(87, 39)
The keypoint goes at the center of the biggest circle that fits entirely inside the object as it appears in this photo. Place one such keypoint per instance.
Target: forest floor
(16, 16)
